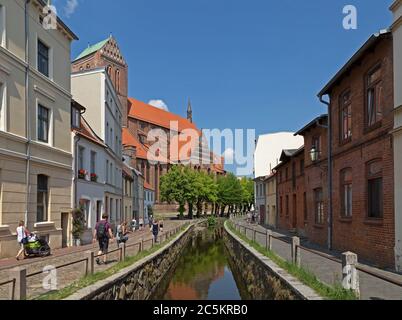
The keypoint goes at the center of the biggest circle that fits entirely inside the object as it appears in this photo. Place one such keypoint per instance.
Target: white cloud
(229, 155)
(70, 7)
(159, 104)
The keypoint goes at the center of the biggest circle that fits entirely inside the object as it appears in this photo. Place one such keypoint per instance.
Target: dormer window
(75, 117)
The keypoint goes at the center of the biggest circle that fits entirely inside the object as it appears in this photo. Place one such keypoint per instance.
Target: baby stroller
(35, 247)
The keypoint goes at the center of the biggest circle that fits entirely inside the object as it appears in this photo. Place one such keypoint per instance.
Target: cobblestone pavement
(67, 275)
(330, 272)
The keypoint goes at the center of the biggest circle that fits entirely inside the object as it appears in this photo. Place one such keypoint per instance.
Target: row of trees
(203, 193)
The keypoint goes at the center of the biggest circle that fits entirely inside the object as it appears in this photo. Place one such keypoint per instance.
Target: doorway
(64, 226)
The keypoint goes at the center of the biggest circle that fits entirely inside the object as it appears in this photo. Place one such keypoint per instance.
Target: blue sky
(244, 64)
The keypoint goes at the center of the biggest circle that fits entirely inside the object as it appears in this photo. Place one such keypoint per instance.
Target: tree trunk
(190, 211)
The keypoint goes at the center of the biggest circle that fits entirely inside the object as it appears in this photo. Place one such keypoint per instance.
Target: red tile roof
(86, 131)
(147, 113)
(148, 186)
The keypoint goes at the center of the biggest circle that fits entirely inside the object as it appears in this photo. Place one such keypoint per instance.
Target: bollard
(255, 235)
(350, 275)
(122, 252)
(142, 244)
(90, 262)
(269, 240)
(296, 251)
(18, 291)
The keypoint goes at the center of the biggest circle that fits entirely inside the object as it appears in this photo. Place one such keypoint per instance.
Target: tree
(173, 188)
(207, 190)
(229, 192)
(247, 186)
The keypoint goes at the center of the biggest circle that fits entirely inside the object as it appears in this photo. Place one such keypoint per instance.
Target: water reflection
(203, 272)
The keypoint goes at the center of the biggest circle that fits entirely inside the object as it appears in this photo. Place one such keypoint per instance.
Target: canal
(204, 271)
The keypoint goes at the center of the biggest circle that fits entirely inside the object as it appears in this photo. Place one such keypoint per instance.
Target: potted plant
(94, 177)
(78, 225)
(82, 174)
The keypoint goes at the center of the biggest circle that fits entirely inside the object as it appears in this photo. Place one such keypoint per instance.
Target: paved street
(330, 272)
(67, 275)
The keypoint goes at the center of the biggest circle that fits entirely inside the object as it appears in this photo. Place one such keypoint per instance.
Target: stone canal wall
(138, 281)
(263, 279)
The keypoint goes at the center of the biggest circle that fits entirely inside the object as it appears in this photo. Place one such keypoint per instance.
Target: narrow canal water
(204, 271)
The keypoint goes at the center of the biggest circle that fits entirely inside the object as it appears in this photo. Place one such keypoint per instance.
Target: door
(64, 227)
(262, 214)
(294, 224)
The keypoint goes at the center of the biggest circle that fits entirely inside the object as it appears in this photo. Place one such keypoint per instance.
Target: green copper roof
(92, 49)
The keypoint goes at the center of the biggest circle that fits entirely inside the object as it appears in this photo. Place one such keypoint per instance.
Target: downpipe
(330, 188)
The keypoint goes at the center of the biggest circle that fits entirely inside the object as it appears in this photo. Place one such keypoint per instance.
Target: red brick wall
(373, 240)
(294, 220)
(316, 177)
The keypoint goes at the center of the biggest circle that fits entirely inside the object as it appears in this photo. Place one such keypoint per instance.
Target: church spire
(189, 112)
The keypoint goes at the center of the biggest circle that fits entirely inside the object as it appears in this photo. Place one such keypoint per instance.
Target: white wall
(269, 149)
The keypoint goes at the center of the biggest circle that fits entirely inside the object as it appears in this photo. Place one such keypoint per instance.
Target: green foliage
(78, 223)
(212, 221)
(336, 292)
(184, 185)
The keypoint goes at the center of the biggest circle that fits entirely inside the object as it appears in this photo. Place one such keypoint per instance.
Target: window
(111, 138)
(319, 206)
(93, 162)
(107, 131)
(301, 167)
(117, 80)
(316, 143)
(305, 206)
(281, 205)
(294, 175)
(286, 174)
(43, 124)
(43, 58)
(111, 173)
(81, 151)
(346, 116)
(3, 102)
(75, 117)
(346, 193)
(2, 26)
(107, 171)
(287, 205)
(374, 97)
(375, 190)
(42, 199)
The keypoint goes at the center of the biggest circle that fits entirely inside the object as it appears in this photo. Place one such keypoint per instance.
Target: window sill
(345, 219)
(344, 142)
(318, 226)
(39, 225)
(373, 127)
(374, 222)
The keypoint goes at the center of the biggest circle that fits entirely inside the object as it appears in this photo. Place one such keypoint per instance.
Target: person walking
(161, 225)
(141, 222)
(22, 237)
(155, 230)
(102, 234)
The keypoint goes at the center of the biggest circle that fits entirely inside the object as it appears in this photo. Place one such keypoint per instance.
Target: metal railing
(19, 276)
(350, 266)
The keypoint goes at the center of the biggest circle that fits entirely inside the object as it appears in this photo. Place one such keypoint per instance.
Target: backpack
(101, 231)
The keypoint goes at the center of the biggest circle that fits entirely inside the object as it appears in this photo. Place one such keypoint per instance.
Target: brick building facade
(291, 190)
(316, 182)
(361, 96)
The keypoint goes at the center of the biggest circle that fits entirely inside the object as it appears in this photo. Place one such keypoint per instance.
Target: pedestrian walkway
(330, 271)
(69, 274)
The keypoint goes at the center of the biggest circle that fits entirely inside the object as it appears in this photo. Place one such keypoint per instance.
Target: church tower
(189, 112)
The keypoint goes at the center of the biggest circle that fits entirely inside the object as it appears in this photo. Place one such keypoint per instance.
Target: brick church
(140, 118)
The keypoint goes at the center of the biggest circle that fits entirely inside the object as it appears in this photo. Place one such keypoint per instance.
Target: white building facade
(94, 90)
(396, 8)
(35, 138)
